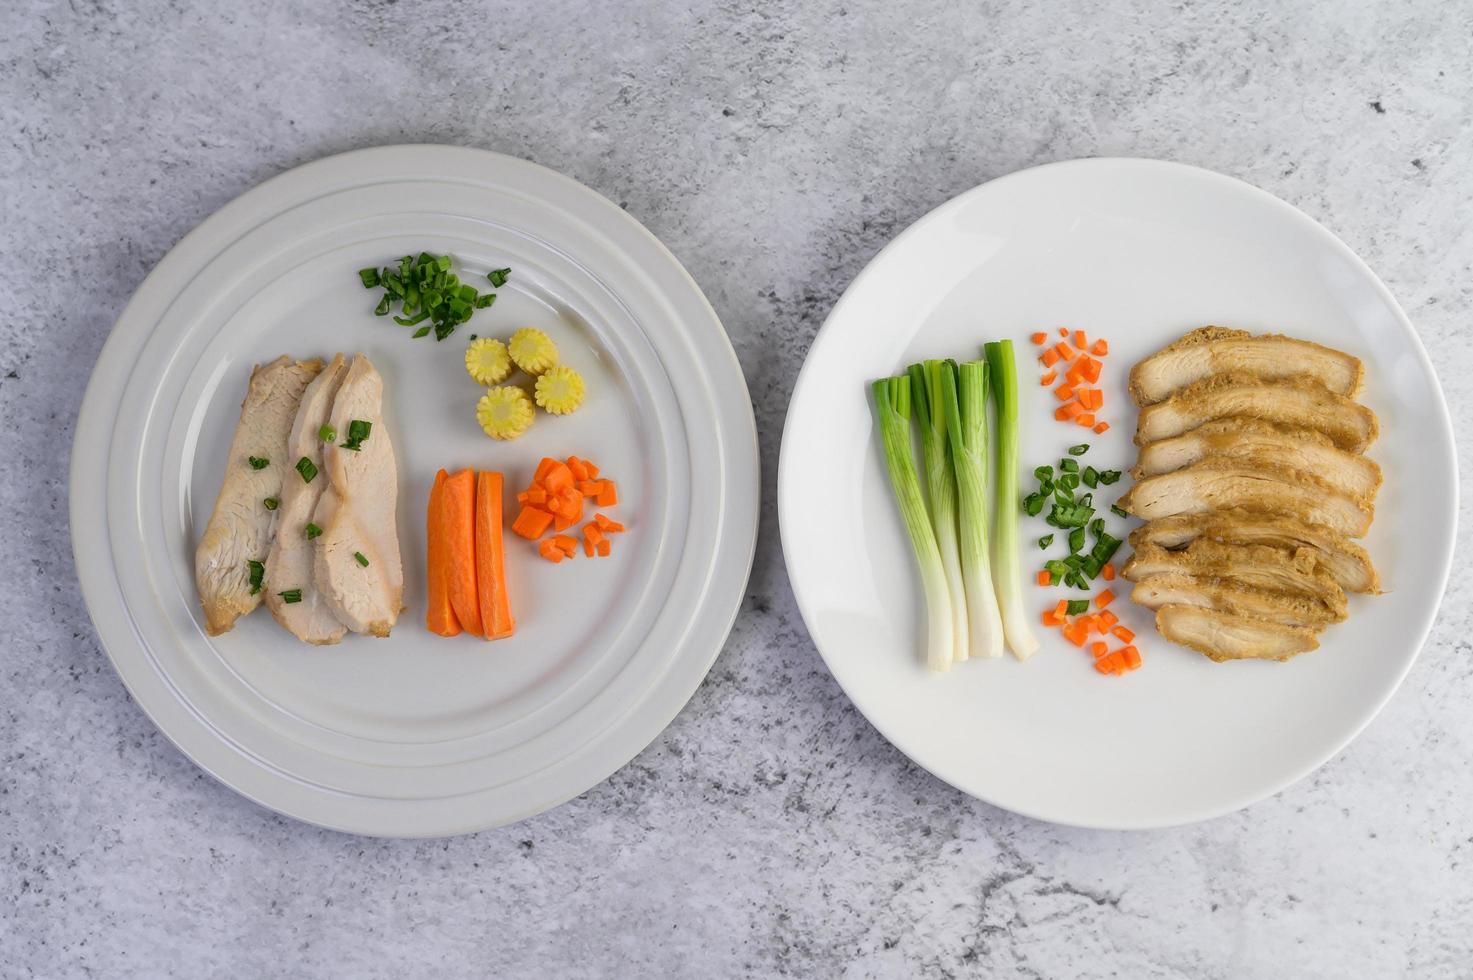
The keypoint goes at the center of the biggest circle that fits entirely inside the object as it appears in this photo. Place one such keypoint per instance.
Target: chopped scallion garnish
(271, 503)
(360, 559)
(1115, 509)
(358, 431)
(1079, 450)
(1069, 465)
(498, 277)
(1077, 607)
(1076, 539)
(1091, 477)
(307, 468)
(257, 574)
(327, 433)
(1045, 541)
(313, 531)
(1108, 477)
(369, 277)
(291, 595)
(258, 462)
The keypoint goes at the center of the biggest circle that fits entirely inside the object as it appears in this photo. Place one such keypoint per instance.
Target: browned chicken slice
(1219, 350)
(1296, 401)
(1248, 566)
(1221, 636)
(1155, 591)
(1342, 559)
(1254, 441)
(1266, 488)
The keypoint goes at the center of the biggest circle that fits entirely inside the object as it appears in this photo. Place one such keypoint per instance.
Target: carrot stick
(460, 523)
(494, 601)
(440, 618)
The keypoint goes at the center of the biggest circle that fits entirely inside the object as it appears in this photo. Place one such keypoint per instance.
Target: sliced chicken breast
(290, 567)
(1297, 401)
(1253, 442)
(239, 530)
(357, 564)
(1155, 591)
(1342, 559)
(1208, 351)
(1222, 636)
(1247, 566)
(1264, 487)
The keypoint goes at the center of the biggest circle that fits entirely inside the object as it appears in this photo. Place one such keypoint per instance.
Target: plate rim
(88, 521)
(919, 226)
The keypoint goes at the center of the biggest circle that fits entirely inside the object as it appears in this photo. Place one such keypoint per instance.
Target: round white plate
(1137, 252)
(419, 735)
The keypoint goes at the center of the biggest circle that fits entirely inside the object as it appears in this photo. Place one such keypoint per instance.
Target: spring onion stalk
(964, 391)
(892, 413)
(1007, 572)
(929, 404)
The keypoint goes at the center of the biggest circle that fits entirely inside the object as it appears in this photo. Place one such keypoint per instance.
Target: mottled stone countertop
(775, 147)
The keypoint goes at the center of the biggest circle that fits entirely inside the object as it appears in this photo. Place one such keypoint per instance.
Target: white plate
(419, 735)
(1137, 252)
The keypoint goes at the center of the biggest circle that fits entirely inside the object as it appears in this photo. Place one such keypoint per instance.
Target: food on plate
(532, 350)
(1346, 562)
(487, 361)
(426, 289)
(559, 390)
(927, 399)
(1254, 442)
(555, 500)
(1298, 400)
(1211, 351)
(1210, 486)
(1073, 513)
(1222, 636)
(505, 412)
(1252, 481)
(229, 562)
(1102, 622)
(963, 392)
(496, 617)
(1006, 566)
(1077, 369)
(357, 567)
(439, 616)
(289, 569)
(460, 544)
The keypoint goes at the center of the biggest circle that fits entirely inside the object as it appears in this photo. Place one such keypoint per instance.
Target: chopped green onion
(1044, 473)
(1076, 539)
(307, 468)
(1069, 465)
(271, 503)
(485, 300)
(1069, 481)
(257, 574)
(1115, 509)
(498, 277)
(327, 433)
(1108, 477)
(1033, 504)
(291, 595)
(421, 332)
(1045, 541)
(1079, 450)
(427, 290)
(358, 557)
(258, 462)
(1077, 606)
(358, 431)
(1057, 570)
(313, 531)
(1091, 477)
(369, 277)
(382, 308)
(1097, 526)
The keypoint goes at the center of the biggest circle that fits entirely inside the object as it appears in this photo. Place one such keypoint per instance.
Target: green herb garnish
(291, 595)
(271, 503)
(258, 573)
(1079, 450)
(258, 462)
(1045, 541)
(1091, 477)
(313, 531)
(358, 431)
(1076, 539)
(1069, 465)
(369, 277)
(307, 468)
(498, 277)
(426, 289)
(1107, 477)
(1115, 509)
(327, 433)
(360, 559)
(1077, 607)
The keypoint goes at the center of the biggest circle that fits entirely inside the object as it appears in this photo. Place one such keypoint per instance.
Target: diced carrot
(1091, 623)
(1066, 412)
(1107, 618)
(1104, 598)
(603, 548)
(495, 604)
(558, 479)
(1063, 331)
(606, 525)
(1052, 618)
(1108, 572)
(1132, 657)
(1049, 357)
(1101, 428)
(608, 494)
(561, 522)
(546, 466)
(1108, 664)
(591, 468)
(522, 497)
(589, 488)
(531, 522)
(1090, 368)
(1100, 349)
(536, 495)
(460, 549)
(549, 550)
(1063, 349)
(1087, 420)
(1048, 378)
(591, 537)
(1044, 578)
(1080, 340)
(1098, 648)
(1062, 609)
(578, 468)
(1063, 393)
(440, 617)
(567, 543)
(1092, 398)
(1039, 337)
(1123, 633)
(1076, 634)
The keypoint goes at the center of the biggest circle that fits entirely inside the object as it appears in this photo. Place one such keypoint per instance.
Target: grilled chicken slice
(240, 527)
(1296, 401)
(1248, 566)
(290, 566)
(1219, 350)
(1342, 559)
(1155, 591)
(1252, 442)
(357, 565)
(1221, 636)
(1264, 488)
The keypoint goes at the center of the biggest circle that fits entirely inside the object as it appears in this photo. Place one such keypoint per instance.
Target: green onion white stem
(928, 403)
(1007, 571)
(964, 391)
(892, 413)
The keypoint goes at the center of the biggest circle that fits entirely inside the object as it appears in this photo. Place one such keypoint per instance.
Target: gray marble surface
(774, 147)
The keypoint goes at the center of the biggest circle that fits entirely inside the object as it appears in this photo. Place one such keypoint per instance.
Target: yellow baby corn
(487, 361)
(532, 350)
(559, 390)
(505, 412)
